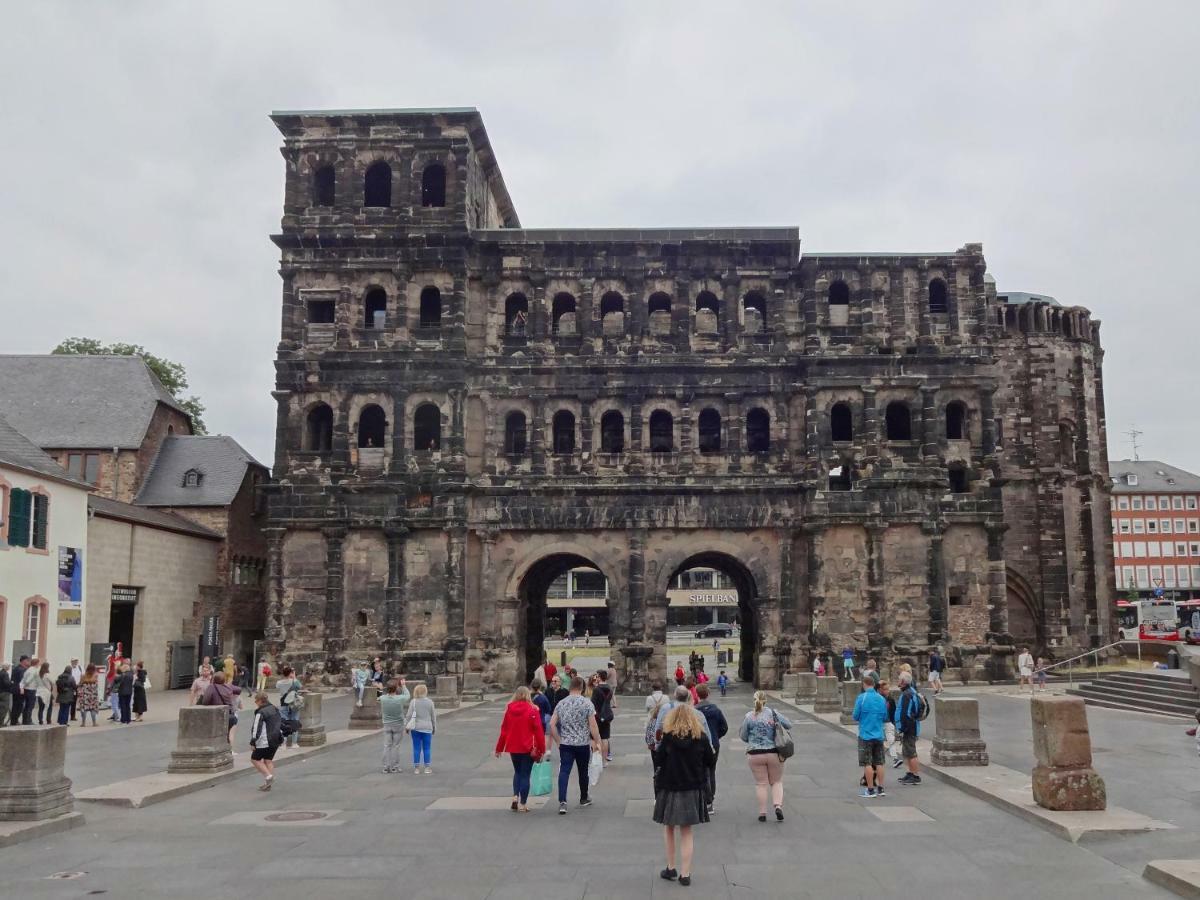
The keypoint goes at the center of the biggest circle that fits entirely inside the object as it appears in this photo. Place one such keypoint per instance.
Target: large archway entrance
(739, 579)
(561, 594)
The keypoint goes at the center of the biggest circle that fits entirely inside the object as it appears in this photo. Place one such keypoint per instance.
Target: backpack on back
(922, 711)
(274, 725)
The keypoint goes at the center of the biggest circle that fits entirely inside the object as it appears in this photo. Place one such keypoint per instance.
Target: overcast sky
(141, 175)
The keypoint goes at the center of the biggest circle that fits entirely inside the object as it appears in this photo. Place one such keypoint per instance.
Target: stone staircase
(1167, 695)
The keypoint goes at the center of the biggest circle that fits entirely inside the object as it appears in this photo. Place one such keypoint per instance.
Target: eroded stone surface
(828, 698)
(32, 784)
(1063, 778)
(956, 739)
(202, 742)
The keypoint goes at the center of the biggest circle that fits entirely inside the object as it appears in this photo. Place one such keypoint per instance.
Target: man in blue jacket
(908, 727)
(870, 711)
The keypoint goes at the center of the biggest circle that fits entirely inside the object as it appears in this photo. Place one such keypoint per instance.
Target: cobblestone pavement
(336, 826)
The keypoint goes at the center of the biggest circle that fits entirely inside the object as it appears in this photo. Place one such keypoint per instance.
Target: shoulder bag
(785, 747)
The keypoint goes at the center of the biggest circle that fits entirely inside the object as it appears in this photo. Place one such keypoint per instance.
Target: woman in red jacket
(522, 738)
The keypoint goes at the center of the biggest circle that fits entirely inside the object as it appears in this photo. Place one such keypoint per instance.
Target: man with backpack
(266, 734)
(911, 709)
(602, 699)
(291, 701)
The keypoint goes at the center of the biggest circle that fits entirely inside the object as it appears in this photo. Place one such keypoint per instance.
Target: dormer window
(192, 478)
(1131, 479)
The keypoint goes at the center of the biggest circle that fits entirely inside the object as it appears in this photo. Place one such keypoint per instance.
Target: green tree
(172, 375)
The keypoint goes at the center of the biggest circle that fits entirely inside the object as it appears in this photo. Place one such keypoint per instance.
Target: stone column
(335, 643)
(850, 691)
(876, 596)
(537, 437)
(393, 617)
(283, 401)
(987, 421)
(791, 684)
(635, 623)
(929, 424)
(274, 631)
(997, 583)
(827, 699)
(447, 692)
(812, 423)
(369, 716)
(939, 610)
(1063, 778)
(806, 687)
(457, 437)
(32, 784)
(870, 426)
(488, 594)
(202, 744)
(816, 537)
(472, 686)
(399, 459)
(456, 592)
(312, 723)
(956, 741)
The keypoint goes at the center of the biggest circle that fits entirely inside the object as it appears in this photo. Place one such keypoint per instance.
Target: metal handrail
(1070, 663)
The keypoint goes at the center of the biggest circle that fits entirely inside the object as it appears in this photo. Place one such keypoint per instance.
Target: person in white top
(76, 676)
(1025, 668)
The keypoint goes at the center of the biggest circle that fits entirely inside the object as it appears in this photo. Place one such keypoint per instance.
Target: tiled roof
(19, 452)
(218, 460)
(64, 401)
(154, 518)
(1153, 477)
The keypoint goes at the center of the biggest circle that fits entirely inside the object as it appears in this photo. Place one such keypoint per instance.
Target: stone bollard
(32, 784)
(1063, 778)
(312, 724)
(806, 687)
(827, 698)
(791, 682)
(447, 692)
(956, 741)
(202, 745)
(850, 692)
(472, 686)
(367, 717)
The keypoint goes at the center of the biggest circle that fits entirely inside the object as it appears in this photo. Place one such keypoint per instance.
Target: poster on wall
(70, 586)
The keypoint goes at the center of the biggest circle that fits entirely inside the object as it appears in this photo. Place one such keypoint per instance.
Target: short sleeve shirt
(573, 713)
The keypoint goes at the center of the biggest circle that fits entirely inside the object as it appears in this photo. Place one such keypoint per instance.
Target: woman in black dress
(139, 692)
(684, 757)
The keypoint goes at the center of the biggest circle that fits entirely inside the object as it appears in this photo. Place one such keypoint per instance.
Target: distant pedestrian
(684, 760)
(141, 681)
(655, 697)
(818, 666)
(848, 663)
(556, 692)
(201, 683)
(393, 708)
(230, 668)
(18, 692)
(891, 746)
(220, 693)
(421, 725)
(30, 682)
(77, 677)
(88, 698)
(680, 675)
(549, 670)
(716, 645)
(870, 710)
(44, 691)
(266, 735)
(612, 682)
(578, 735)
(6, 694)
(123, 688)
(64, 689)
(908, 707)
(378, 676)
(523, 738)
(758, 733)
(264, 672)
(359, 676)
(937, 665)
(291, 701)
(1040, 675)
(1025, 669)
(690, 682)
(718, 727)
(602, 700)
(723, 682)
(539, 699)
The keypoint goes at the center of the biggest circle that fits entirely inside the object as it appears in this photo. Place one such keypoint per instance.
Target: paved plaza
(335, 826)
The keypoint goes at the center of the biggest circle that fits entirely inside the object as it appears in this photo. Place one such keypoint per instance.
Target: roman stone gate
(874, 450)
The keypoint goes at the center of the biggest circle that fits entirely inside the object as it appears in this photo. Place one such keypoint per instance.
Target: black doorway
(120, 627)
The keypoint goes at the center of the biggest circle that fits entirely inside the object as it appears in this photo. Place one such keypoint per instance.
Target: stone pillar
(312, 723)
(870, 426)
(1063, 778)
(806, 687)
(472, 686)
(32, 784)
(537, 438)
(997, 583)
(816, 537)
(488, 601)
(447, 692)
(929, 424)
(939, 603)
(956, 741)
(637, 626)
(202, 744)
(274, 631)
(399, 422)
(334, 587)
(850, 692)
(827, 699)
(791, 684)
(876, 590)
(455, 588)
(367, 717)
(393, 610)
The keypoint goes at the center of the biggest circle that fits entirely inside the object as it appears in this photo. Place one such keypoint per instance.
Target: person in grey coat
(421, 724)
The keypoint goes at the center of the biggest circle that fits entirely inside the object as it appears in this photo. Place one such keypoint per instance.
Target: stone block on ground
(828, 700)
(32, 784)
(202, 742)
(447, 692)
(312, 723)
(850, 691)
(806, 686)
(956, 741)
(367, 717)
(1063, 777)
(791, 682)
(472, 688)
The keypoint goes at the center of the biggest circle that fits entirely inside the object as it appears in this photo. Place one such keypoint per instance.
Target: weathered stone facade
(876, 448)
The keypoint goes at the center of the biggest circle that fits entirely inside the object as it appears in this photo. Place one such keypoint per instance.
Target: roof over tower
(66, 401)
(193, 470)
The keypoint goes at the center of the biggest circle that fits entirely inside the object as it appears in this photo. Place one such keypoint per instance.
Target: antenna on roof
(1134, 434)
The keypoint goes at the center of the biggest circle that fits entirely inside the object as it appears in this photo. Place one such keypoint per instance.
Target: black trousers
(123, 702)
(711, 790)
(30, 703)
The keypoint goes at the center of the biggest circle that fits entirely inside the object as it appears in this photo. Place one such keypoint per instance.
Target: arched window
(937, 296)
(516, 314)
(433, 185)
(431, 308)
(612, 302)
(958, 480)
(658, 302)
(758, 430)
(377, 186)
(515, 443)
(563, 305)
(563, 428)
(956, 421)
(708, 300)
(754, 312)
(318, 431)
(427, 428)
(662, 432)
(324, 186)
(898, 421)
(841, 423)
(612, 432)
(709, 427)
(708, 313)
(375, 308)
(372, 427)
(839, 303)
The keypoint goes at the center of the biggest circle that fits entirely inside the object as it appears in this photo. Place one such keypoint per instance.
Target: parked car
(721, 629)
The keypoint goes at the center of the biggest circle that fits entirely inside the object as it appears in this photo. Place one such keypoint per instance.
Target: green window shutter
(18, 518)
(41, 520)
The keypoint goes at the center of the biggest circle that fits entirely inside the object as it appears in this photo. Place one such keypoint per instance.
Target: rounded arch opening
(735, 578)
(560, 594)
(372, 427)
(377, 185)
(433, 185)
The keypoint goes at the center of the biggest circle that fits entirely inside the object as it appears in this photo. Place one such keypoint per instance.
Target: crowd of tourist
(30, 692)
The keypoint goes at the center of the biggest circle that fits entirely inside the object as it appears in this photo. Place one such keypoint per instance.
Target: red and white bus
(1148, 620)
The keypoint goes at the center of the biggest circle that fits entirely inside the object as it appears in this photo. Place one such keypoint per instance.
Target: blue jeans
(579, 757)
(422, 742)
(522, 766)
(286, 712)
(64, 711)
